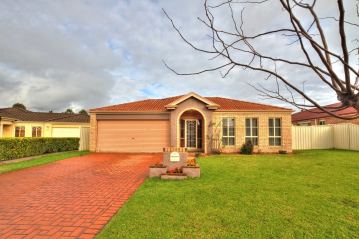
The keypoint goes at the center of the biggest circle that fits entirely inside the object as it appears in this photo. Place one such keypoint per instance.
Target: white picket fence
(340, 136)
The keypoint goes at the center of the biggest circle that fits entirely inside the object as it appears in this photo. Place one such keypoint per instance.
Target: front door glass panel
(191, 133)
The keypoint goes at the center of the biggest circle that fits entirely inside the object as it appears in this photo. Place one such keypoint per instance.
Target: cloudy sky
(84, 54)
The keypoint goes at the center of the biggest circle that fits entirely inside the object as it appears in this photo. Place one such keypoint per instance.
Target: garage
(132, 135)
(62, 132)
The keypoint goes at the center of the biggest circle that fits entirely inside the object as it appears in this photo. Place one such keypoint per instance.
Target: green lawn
(4, 168)
(311, 194)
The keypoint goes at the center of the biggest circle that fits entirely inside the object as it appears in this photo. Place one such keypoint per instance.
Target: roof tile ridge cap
(137, 101)
(20, 109)
(245, 101)
(124, 103)
(7, 108)
(64, 117)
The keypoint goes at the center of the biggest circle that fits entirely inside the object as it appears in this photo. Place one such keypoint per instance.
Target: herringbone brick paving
(71, 198)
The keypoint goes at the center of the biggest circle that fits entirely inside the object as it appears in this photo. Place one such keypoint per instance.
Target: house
(205, 124)
(315, 116)
(17, 122)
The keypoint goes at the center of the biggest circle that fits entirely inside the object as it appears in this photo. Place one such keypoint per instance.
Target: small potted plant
(157, 169)
(192, 169)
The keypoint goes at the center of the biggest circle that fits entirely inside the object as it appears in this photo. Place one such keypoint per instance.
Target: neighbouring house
(17, 122)
(315, 116)
(204, 124)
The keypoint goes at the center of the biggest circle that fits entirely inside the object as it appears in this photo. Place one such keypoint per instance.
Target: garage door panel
(133, 136)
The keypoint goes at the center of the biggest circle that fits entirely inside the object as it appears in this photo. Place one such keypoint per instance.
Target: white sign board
(175, 157)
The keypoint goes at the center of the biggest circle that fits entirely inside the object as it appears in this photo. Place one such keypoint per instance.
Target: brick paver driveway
(72, 198)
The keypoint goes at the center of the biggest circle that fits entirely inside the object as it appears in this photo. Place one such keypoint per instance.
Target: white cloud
(60, 54)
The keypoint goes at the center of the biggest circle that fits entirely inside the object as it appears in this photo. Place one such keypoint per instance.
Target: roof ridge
(137, 101)
(64, 117)
(249, 102)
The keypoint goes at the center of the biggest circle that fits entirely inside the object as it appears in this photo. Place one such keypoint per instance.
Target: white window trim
(250, 129)
(228, 136)
(274, 135)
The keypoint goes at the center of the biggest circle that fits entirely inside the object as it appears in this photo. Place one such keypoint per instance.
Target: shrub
(175, 171)
(12, 148)
(191, 162)
(216, 151)
(247, 148)
(282, 151)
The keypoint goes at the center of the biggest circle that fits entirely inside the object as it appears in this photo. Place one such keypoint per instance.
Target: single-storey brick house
(204, 124)
(315, 116)
(17, 122)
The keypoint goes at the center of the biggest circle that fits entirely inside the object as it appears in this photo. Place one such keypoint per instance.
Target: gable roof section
(26, 115)
(159, 105)
(316, 113)
(210, 104)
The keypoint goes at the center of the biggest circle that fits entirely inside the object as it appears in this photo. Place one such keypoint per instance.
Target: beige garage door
(133, 135)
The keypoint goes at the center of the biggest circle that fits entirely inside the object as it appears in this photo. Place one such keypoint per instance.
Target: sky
(85, 54)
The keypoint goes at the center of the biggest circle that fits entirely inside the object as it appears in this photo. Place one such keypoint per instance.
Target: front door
(191, 133)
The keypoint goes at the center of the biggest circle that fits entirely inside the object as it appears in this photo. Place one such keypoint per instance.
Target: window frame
(274, 136)
(251, 136)
(20, 131)
(37, 135)
(226, 138)
(322, 122)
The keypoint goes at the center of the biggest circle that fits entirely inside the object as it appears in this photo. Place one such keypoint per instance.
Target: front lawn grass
(310, 194)
(8, 167)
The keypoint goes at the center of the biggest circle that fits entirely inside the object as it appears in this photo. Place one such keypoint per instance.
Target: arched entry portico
(191, 125)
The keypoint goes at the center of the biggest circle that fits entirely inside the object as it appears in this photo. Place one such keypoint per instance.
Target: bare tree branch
(236, 48)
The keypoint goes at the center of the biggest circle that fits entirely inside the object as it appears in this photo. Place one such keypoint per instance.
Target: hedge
(12, 148)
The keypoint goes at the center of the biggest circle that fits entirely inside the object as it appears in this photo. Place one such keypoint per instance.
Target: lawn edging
(12, 165)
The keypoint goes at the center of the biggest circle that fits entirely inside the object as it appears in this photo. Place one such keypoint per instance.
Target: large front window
(20, 131)
(275, 131)
(252, 130)
(228, 131)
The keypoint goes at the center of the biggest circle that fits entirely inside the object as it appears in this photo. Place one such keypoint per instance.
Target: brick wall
(263, 134)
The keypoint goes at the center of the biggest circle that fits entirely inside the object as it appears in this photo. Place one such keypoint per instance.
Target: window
(252, 130)
(228, 131)
(275, 132)
(20, 131)
(182, 138)
(321, 122)
(199, 133)
(36, 132)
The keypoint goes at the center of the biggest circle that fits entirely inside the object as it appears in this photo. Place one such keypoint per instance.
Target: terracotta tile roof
(316, 113)
(158, 105)
(26, 115)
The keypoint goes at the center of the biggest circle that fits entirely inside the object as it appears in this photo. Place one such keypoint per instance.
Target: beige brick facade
(210, 118)
(263, 134)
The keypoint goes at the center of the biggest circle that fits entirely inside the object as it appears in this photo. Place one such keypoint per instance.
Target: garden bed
(173, 176)
(157, 170)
